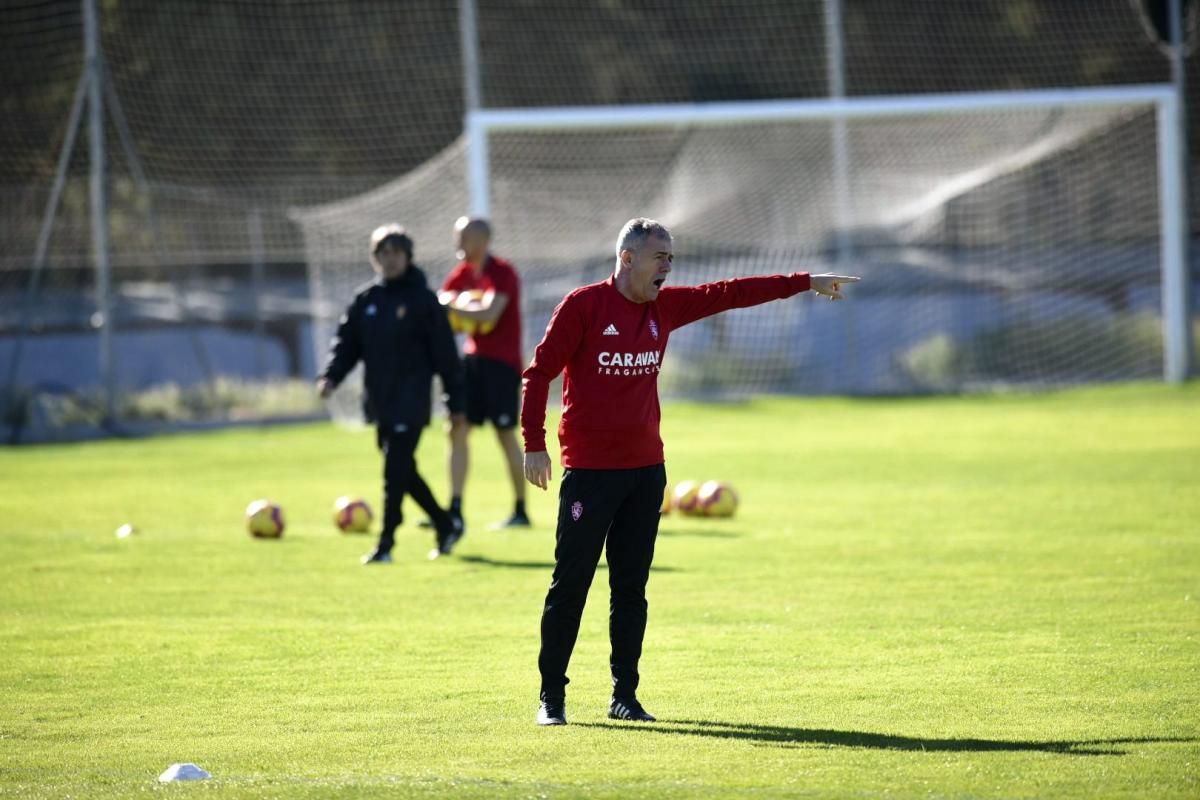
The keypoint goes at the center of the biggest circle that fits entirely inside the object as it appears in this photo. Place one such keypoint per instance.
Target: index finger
(845, 278)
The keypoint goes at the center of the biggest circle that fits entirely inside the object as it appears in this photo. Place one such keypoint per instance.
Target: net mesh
(1006, 247)
(251, 146)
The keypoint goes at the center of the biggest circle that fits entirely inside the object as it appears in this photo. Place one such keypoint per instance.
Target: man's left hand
(830, 285)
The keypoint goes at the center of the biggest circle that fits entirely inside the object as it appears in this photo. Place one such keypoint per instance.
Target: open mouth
(659, 282)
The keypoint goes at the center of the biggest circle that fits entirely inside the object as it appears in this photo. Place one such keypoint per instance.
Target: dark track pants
(620, 506)
(400, 477)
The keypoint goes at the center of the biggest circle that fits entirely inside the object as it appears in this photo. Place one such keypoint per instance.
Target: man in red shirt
(610, 338)
(484, 290)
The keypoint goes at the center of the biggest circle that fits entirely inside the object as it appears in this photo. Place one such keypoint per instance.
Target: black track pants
(400, 477)
(620, 507)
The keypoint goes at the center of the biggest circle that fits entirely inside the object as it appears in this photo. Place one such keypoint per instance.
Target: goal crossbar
(481, 123)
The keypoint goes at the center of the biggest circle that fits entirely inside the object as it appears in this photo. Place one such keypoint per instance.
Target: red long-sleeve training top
(612, 351)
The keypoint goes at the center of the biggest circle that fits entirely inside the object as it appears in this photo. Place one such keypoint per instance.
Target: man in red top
(610, 338)
(484, 290)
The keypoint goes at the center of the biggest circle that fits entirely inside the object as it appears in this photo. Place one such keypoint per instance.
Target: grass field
(981, 597)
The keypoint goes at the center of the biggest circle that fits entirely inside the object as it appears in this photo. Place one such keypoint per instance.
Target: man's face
(471, 245)
(392, 260)
(648, 268)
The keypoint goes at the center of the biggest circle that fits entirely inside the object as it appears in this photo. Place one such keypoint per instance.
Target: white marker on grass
(183, 772)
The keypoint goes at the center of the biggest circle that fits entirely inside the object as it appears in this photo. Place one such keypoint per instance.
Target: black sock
(456, 505)
(520, 509)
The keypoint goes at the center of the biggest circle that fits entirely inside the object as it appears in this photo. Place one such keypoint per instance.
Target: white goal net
(1003, 240)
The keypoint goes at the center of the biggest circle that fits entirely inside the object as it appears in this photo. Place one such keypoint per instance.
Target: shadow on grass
(799, 737)
(547, 565)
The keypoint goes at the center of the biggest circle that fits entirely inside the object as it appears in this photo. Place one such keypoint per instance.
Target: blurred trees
(228, 91)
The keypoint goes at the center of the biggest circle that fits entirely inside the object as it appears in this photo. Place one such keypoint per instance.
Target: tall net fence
(1013, 247)
(252, 146)
(219, 117)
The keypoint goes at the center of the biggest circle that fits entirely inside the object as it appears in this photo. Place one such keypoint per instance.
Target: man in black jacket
(397, 328)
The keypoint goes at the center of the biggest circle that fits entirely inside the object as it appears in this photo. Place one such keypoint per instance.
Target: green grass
(980, 597)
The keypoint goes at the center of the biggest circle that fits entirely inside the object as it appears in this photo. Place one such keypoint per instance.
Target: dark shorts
(493, 392)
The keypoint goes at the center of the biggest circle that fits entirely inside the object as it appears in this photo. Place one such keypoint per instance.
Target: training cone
(183, 772)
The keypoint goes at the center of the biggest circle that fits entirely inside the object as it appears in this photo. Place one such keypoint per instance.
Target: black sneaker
(377, 557)
(515, 521)
(628, 708)
(552, 711)
(448, 538)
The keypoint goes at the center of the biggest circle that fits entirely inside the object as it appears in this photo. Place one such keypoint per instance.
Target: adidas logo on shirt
(611, 330)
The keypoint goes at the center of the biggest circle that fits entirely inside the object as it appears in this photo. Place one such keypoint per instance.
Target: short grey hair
(473, 225)
(635, 233)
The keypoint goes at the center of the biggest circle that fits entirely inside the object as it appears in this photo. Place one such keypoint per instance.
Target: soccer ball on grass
(683, 499)
(716, 499)
(264, 520)
(352, 514)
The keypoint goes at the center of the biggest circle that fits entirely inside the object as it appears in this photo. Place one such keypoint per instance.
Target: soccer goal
(1022, 238)
(1013, 239)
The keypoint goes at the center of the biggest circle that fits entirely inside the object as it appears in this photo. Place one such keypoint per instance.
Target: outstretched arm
(686, 304)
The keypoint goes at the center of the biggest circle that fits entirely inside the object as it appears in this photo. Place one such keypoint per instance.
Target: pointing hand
(830, 285)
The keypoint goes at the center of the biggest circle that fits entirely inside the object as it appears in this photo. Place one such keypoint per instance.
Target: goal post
(483, 125)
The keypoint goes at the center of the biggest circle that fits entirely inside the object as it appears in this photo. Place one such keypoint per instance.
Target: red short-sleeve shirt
(503, 342)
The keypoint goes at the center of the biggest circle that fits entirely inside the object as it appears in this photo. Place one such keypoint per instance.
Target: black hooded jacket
(400, 332)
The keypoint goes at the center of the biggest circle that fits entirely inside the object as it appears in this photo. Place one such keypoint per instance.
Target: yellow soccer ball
(473, 300)
(352, 514)
(460, 324)
(264, 520)
(666, 503)
(717, 499)
(684, 498)
(452, 302)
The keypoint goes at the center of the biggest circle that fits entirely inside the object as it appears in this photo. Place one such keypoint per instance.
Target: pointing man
(609, 338)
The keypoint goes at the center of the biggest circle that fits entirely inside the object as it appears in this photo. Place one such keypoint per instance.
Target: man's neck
(478, 263)
(621, 281)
